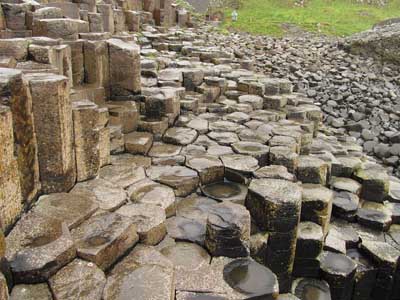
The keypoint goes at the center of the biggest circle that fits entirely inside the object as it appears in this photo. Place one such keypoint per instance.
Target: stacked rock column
(275, 206)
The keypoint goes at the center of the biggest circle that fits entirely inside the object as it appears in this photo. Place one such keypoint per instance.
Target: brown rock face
(124, 67)
(14, 93)
(10, 189)
(52, 114)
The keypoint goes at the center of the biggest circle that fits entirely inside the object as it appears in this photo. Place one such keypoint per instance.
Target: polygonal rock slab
(345, 205)
(31, 292)
(210, 168)
(149, 220)
(138, 142)
(257, 150)
(375, 182)
(164, 150)
(312, 170)
(122, 175)
(78, 280)
(182, 179)
(302, 286)
(150, 192)
(108, 195)
(143, 274)
(127, 159)
(104, 238)
(37, 247)
(218, 150)
(226, 191)
(223, 138)
(72, 208)
(186, 256)
(180, 136)
(228, 230)
(274, 172)
(345, 184)
(243, 164)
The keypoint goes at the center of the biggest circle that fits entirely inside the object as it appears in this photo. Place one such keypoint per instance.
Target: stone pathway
(222, 183)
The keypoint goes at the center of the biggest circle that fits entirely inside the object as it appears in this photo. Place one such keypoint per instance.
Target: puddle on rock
(311, 289)
(225, 191)
(250, 278)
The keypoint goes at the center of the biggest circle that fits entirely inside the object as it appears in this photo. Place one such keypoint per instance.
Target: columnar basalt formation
(166, 168)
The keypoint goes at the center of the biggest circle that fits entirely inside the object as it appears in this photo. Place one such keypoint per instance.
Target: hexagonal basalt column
(275, 206)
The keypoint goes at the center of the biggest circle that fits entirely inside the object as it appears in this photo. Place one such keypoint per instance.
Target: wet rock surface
(179, 163)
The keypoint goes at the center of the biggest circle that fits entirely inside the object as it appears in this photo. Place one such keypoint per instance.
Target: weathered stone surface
(312, 170)
(223, 138)
(124, 60)
(10, 195)
(14, 93)
(31, 292)
(243, 164)
(316, 205)
(338, 271)
(72, 208)
(104, 238)
(274, 172)
(78, 280)
(254, 149)
(375, 182)
(52, 114)
(210, 168)
(108, 196)
(226, 191)
(149, 220)
(138, 142)
(345, 184)
(67, 29)
(37, 247)
(3, 287)
(86, 139)
(143, 274)
(228, 230)
(122, 175)
(284, 156)
(345, 205)
(183, 180)
(16, 48)
(308, 288)
(180, 136)
(150, 192)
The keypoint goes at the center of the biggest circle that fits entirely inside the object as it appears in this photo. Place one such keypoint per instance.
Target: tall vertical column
(14, 93)
(275, 206)
(10, 189)
(54, 131)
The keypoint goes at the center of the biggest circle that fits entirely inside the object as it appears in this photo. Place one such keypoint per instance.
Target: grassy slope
(337, 17)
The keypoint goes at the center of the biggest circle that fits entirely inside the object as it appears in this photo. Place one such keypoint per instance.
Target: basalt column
(14, 93)
(275, 206)
(124, 60)
(10, 189)
(54, 131)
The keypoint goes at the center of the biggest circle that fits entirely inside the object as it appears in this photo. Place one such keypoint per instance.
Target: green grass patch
(331, 17)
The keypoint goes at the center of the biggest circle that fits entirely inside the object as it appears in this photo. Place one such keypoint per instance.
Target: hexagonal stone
(78, 280)
(250, 135)
(226, 191)
(37, 247)
(312, 170)
(149, 220)
(345, 205)
(72, 208)
(228, 230)
(218, 150)
(274, 204)
(104, 238)
(256, 280)
(138, 142)
(316, 205)
(243, 164)
(122, 175)
(223, 138)
(375, 182)
(147, 281)
(108, 196)
(284, 156)
(237, 117)
(374, 218)
(345, 166)
(255, 101)
(254, 149)
(338, 271)
(180, 136)
(345, 184)
(31, 292)
(195, 207)
(186, 229)
(210, 168)
(127, 159)
(310, 239)
(274, 172)
(306, 288)
(198, 124)
(164, 150)
(150, 192)
(182, 179)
